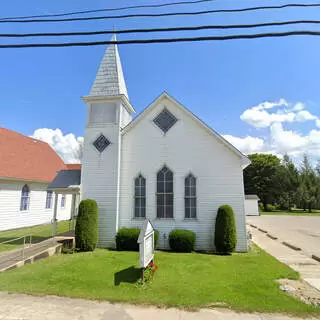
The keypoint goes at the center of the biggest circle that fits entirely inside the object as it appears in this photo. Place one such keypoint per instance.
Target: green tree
(309, 190)
(289, 181)
(261, 177)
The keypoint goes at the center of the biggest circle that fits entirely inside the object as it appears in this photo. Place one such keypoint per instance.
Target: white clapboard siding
(12, 218)
(186, 148)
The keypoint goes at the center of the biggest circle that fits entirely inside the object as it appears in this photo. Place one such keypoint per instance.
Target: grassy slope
(245, 282)
(38, 233)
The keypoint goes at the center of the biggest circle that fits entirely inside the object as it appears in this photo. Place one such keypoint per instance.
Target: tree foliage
(282, 182)
(261, 177)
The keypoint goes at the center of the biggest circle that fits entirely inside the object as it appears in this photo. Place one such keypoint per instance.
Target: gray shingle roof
(66, 178)
(109, 79)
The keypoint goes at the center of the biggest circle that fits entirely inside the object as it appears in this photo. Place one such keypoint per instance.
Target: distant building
(251, 205)
(27, 167)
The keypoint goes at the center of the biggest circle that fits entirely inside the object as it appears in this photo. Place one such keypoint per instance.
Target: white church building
(165, 165)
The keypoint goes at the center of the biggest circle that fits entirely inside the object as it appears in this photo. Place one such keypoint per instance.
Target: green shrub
(86, 231)
(225, 230)
(182, 240)
(270, 208)
(261, 208)
(127, 239)
(156, 238)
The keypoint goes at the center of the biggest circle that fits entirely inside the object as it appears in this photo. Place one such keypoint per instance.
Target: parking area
(302, 231)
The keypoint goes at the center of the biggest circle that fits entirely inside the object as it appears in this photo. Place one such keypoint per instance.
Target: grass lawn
(293, 212)
(245, 282)
(38, 233)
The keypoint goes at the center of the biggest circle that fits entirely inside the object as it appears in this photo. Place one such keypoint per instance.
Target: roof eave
(24, 180)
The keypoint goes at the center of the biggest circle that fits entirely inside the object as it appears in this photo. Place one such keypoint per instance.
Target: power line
(153, 15)
(127, 31)
(109, 9)
(166, 40)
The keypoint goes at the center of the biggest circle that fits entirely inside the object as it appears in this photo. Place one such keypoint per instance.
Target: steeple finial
(109, 80)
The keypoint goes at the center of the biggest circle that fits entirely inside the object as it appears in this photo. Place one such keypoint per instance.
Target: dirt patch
(301, 290)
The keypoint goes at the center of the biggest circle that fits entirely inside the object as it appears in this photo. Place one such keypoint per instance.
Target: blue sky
(218, 81)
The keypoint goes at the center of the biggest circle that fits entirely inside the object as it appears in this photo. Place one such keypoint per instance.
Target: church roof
(109, 80)
(26, 158)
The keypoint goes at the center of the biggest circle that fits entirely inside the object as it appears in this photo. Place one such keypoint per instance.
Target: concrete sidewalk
(23, 307)
(308, 268)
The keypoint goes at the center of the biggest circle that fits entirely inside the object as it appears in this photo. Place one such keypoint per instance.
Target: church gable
(167, 117)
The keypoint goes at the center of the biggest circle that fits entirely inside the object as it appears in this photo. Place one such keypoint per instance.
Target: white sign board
(146, 244)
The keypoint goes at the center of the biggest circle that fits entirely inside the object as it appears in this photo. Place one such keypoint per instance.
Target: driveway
(302, 231)
(23, 307)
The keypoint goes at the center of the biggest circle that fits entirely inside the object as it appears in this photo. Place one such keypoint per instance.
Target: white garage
(251, 205)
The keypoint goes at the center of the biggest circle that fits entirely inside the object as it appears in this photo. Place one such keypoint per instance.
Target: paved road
(23, 307)
(301, 230)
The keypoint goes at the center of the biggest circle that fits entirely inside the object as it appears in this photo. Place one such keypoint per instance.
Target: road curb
(314, 257)
(291, 246)
(272, 237)
(262, 230)
(253, 226)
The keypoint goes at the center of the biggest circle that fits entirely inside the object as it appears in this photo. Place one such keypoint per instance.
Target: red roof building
(26, 158)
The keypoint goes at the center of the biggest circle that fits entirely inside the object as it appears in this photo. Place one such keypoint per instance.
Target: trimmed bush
(225, 230)
(86, 231)
(126, 239)
(156, 238)
(182, 240)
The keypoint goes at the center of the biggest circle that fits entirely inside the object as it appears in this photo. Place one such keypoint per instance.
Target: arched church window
(140, 197)
(190, 197)
(165, 193)
(25, 197)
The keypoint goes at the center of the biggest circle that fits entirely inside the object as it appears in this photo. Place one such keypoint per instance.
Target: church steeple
(109, 80)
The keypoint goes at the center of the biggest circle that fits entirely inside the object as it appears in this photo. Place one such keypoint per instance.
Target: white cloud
(67, 146)
(246, 145)
(278, 140)
(260, 117)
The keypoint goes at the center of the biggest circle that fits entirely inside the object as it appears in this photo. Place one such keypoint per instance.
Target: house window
(165, 193)
(49, 200)
(140, 197)
(190, 197)
(25, 197)
(63, 201)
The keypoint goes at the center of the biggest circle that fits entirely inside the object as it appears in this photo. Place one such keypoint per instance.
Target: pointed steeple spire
(109, 80)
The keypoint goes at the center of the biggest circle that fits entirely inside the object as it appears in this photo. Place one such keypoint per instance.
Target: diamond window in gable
(165, 120)
(101, 143)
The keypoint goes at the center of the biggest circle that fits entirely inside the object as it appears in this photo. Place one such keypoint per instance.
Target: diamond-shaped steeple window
(165, 120)
(101, 143)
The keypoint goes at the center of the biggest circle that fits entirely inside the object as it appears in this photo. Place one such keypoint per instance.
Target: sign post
(146, 245)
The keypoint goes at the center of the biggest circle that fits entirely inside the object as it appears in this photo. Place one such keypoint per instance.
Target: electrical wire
(166, 40)
(109, 9)
(173, 29)
(153, 15)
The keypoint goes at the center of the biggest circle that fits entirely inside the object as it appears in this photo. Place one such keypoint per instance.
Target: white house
(166, 164)
(27, 167)
(251, 205)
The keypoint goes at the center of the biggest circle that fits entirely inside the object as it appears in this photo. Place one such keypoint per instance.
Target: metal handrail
(24, 242)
